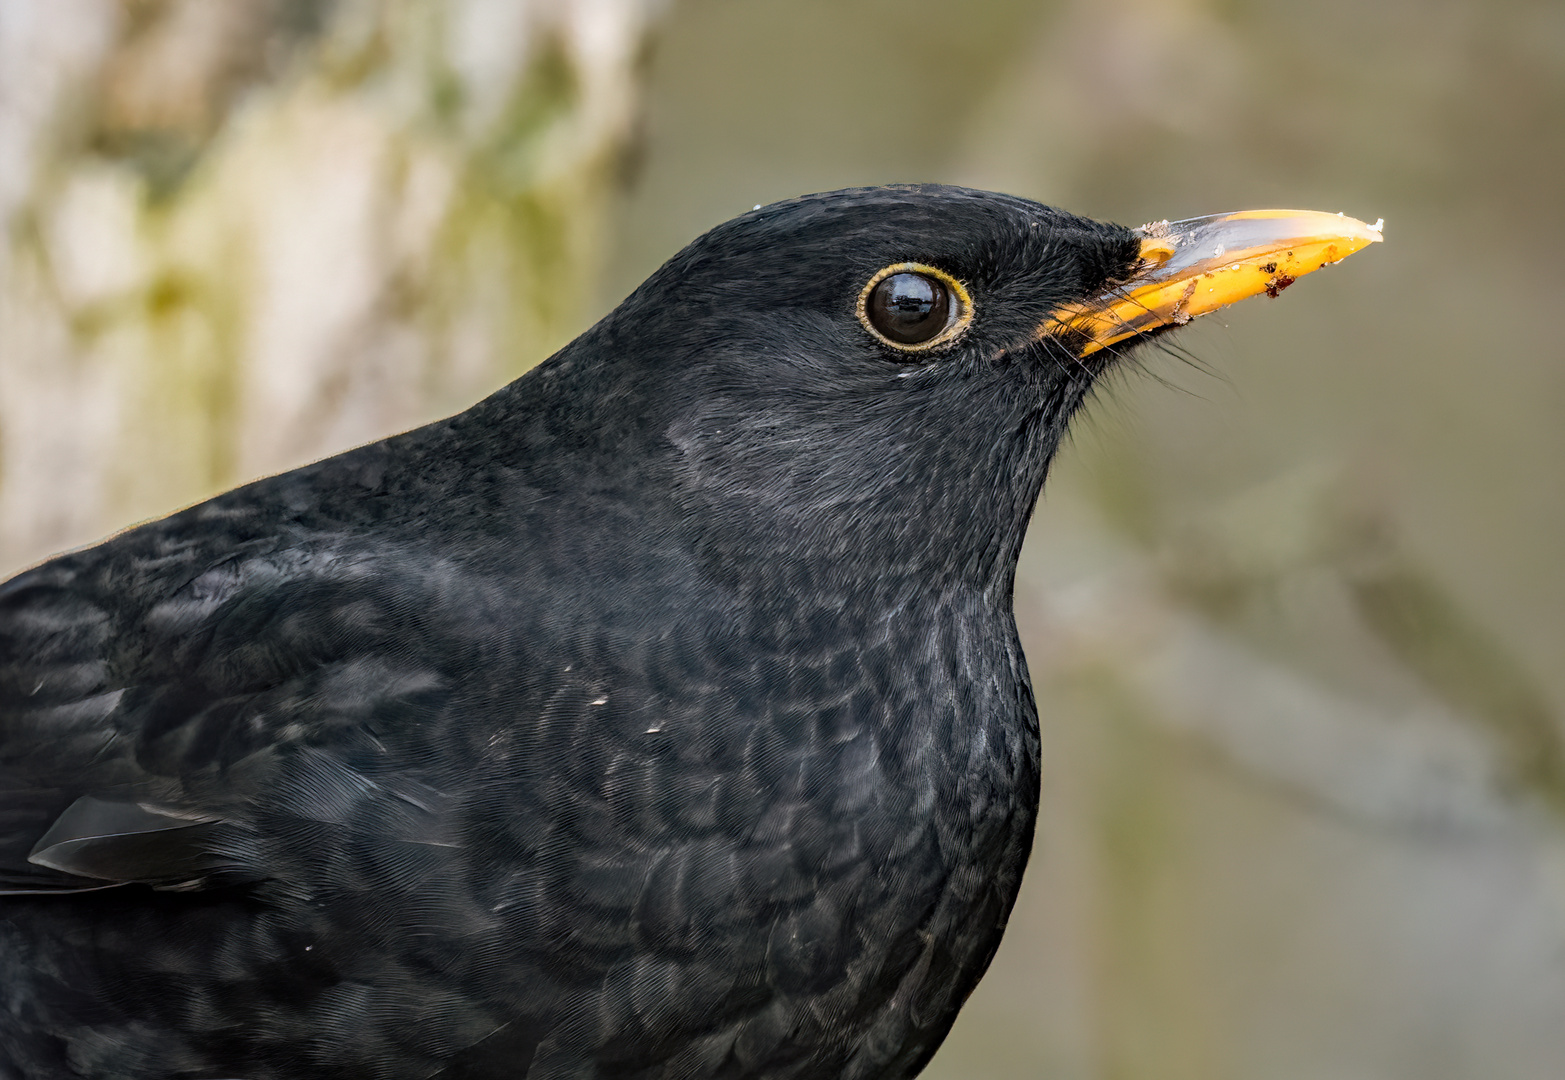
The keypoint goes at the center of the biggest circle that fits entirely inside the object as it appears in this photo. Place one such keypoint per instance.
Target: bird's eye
(913, 307)
(910, 308)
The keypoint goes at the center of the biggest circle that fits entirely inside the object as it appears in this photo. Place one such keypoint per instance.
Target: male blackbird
(662, 715)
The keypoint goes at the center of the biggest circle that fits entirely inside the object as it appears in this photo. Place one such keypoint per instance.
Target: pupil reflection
(912, 295)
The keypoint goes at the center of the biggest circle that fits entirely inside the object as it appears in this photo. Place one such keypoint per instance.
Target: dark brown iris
(909, 308)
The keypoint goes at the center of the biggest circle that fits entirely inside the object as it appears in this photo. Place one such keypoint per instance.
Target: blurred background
(1293, 598)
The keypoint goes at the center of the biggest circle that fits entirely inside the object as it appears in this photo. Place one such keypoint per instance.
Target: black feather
(661, 715)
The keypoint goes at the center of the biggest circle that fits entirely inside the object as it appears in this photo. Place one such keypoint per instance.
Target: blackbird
(662, 715)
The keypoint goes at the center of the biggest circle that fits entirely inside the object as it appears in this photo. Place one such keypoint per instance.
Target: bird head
(882, 375)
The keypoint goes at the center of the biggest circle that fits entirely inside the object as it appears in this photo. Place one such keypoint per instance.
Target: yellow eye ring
(907, 313)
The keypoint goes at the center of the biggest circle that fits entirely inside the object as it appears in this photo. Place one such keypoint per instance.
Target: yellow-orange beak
(1191, 267)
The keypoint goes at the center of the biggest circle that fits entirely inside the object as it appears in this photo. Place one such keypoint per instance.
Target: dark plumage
(662, 715)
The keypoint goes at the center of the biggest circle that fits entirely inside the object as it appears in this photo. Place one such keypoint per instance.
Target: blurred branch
(1422, 768)
(1463, 737)
(1467, 668)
